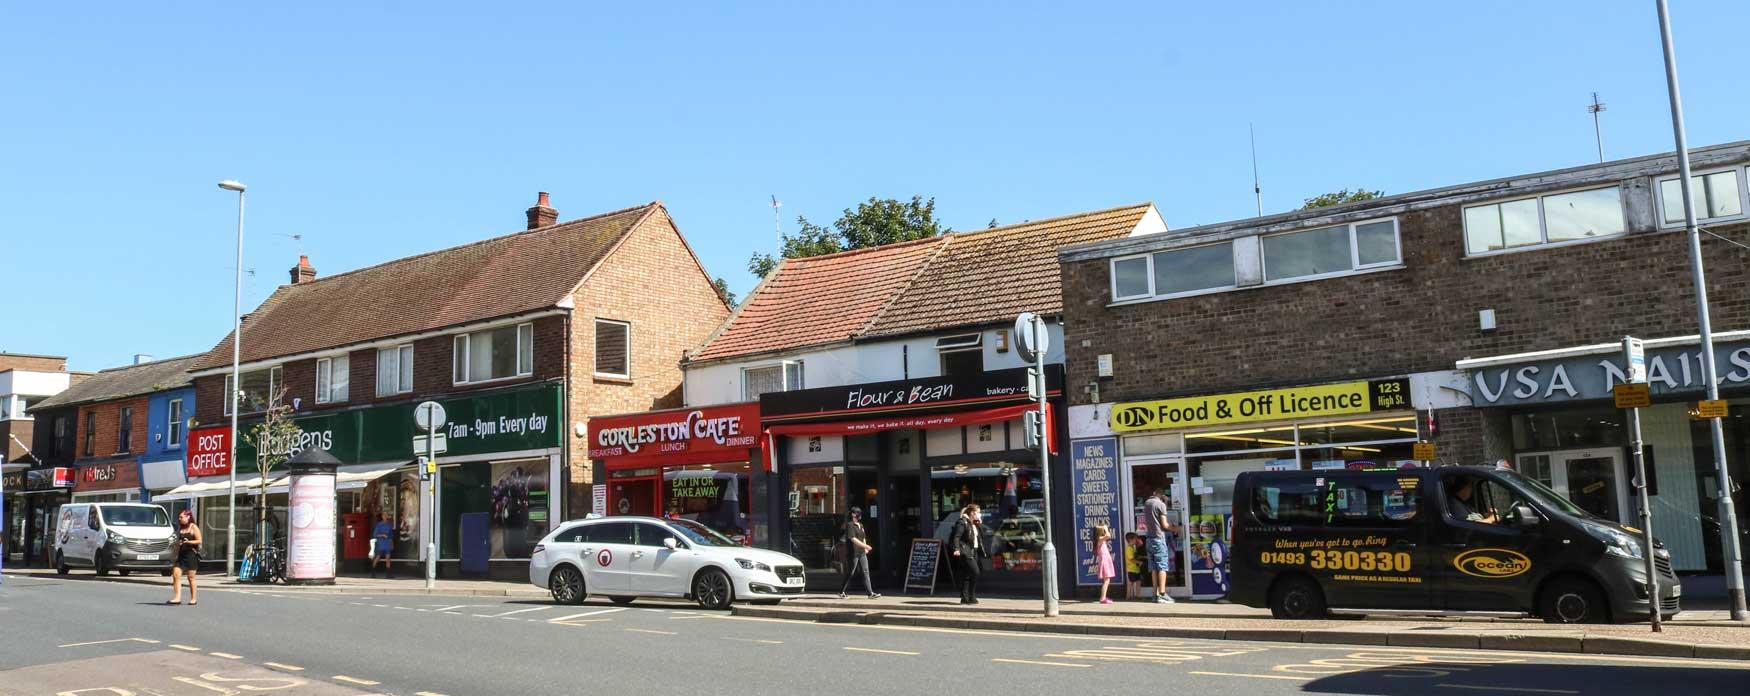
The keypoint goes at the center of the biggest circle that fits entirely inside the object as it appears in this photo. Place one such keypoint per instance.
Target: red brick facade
(105, 437)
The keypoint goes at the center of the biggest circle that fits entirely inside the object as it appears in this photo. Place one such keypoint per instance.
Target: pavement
(66, 635)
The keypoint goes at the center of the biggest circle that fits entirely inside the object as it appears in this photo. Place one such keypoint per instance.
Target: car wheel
(165, 572)
(1572, 600)
(566, 584)
(622, 600)
(61, 567)
(123, 572)
(1297, 598)
(767, 602)
(98, 566)
(713, 590)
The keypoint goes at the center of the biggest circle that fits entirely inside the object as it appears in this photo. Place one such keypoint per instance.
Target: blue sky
(383, 131)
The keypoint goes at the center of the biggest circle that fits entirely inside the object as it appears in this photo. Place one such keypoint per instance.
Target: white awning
(354, 476)
(209, 488)
(348, 477)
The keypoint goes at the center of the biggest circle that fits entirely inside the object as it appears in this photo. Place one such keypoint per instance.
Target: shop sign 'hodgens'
(1346, 398)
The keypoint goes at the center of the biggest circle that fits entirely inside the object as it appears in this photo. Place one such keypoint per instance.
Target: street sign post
(429, 416)
(1633, 396)
(1033, 341)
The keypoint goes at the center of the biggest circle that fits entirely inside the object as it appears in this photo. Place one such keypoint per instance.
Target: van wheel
(123, 572)
(1572, 600)
(567, 585)
(98, 566)
(1297, 598)
(713, 589)
(61, 567)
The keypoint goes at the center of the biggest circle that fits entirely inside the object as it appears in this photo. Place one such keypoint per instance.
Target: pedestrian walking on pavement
(968, 548)
(858, 548)
(1160, 530)
(186, 552)
(1103, 558)
(382, 537)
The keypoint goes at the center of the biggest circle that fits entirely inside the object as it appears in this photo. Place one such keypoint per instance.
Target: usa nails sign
(1670, 371)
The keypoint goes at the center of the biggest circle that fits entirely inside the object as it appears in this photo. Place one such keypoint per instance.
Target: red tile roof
(499, 277)
(957, 279)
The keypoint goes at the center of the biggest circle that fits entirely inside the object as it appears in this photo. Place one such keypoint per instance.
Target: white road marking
(522, 611)
(1520, 689)
(646, 630)
(878, 650)
(118, 640)
(426, 693)
(227, 656)
(380, 606)
(458, 606)
(355, 680)
(597, 612)
(1038, 662)
(279, 665)
(188, 648)
(690, 616)
(757, 640)
(1252, 676)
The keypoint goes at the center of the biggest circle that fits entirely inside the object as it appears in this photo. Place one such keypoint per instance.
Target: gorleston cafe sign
(1670, 370)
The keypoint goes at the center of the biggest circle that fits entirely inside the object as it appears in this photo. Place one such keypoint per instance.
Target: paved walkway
(342, 585)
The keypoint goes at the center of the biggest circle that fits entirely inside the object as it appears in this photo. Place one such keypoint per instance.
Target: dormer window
(961, 355)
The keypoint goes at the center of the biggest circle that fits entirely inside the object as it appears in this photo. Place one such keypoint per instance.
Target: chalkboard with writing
(920, 569)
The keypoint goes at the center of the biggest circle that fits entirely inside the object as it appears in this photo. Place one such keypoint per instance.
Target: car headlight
(1617, 543)
(748, 564)
(115, 538)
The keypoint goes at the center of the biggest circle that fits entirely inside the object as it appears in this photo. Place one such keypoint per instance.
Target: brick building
(25, 382)
(521, 338)
(1495, 307)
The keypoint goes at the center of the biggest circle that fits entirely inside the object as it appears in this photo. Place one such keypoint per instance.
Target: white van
(113, 536)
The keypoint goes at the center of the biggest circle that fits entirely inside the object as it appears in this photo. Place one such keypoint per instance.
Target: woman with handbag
(968, 548)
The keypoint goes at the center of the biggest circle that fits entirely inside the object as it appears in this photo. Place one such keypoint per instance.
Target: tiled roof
(503, 276)
(993, 275)
(123, 382)
(819, 299)
(957, 279)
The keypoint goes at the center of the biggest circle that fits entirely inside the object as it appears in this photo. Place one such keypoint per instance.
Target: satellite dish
(1031, 346)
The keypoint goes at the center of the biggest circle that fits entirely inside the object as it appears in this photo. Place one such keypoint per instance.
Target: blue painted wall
(157, 412)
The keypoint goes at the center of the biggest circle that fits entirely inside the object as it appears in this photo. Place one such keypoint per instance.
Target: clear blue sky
(377, 133)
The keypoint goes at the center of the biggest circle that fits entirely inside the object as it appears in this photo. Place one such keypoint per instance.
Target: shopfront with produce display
(694, 464)
(909, 454)
(496, 479)
(1194, 448)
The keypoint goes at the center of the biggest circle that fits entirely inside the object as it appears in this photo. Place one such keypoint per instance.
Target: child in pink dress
(1103, 558)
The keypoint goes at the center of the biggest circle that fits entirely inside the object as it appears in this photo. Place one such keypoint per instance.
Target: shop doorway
(634, 497)
(1142, 477)
(1591, 478)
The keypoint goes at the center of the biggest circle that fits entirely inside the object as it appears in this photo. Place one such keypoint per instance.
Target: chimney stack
(303, 272)
(142, 358)
(542, 214)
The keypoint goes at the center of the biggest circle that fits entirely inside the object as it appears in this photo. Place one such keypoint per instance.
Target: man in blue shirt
(381, 537)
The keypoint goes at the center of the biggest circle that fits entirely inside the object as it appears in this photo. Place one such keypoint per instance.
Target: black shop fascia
(910, 454)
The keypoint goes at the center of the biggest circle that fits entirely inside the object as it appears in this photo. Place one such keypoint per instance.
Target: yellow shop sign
(1271, 404)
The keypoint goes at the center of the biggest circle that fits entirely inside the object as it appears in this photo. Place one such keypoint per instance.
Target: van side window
(608, 533)
(1291, 502)
(91, 520)
(1340, 502)
(571, 536)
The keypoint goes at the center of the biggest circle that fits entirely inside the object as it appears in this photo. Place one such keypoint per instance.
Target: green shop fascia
(499, 476)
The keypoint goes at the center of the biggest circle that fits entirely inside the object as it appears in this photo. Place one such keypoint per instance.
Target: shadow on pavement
(1441, 675)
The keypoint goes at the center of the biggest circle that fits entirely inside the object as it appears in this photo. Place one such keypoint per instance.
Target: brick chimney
(542, 214)
(303, 272)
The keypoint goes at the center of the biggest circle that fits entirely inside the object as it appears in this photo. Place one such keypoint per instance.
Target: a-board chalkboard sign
(920, 569)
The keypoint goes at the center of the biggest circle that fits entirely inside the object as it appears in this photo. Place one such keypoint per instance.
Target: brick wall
(653, 282)
(19, 428)
(1420, 318)
(33, 363)
(108, 427)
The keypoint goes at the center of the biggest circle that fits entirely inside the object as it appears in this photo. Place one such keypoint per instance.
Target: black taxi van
(1453, 539)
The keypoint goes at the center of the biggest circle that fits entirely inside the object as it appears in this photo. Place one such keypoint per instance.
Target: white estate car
(623, 558)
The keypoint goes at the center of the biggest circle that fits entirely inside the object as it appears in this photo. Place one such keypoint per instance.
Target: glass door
(1145, 475)
(1592, 478)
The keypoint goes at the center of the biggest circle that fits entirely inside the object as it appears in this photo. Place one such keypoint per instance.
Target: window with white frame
(261, 389)
(1718, 195)
(493, 354)
(332, 379)
(961, 355)
(173, 424)
(1173, 272)
(779, 377)
(1548, 219)
(394, 370)
(1327, 250)
(613, 348)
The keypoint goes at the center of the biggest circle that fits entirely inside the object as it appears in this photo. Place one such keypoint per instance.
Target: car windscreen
(1535, 490)
(135, 516)
(700, 534)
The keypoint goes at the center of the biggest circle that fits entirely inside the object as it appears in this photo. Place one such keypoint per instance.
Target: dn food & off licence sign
(1271, 404)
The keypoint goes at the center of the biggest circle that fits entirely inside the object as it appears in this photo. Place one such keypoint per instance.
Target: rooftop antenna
(1257, 191)
(777, 228)
(1597, 133)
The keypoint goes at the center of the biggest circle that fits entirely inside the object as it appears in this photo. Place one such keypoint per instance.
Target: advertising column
(311, 537)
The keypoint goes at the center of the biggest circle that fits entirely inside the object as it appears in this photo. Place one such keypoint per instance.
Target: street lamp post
(1728, 517)
(236, 385)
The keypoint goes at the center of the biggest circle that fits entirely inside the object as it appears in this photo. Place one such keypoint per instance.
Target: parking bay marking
(118, 640)
(1164, 652)
(597, 612)
(521, 611)
(279, 665)
(1394, 665)
(1037, 662)
(355, 680)
(883, 652)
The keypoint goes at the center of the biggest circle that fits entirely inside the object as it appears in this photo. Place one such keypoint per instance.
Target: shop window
(1560, 217)
(961, 356)
(1327, 250)
(260, 391)
(332, 380)
(124, 432)
(501, 353)
(613, 348)
(1568, 429)
(1716, 197)
(1174, 272)
(782, 377)
(394, 370)
(173, 425)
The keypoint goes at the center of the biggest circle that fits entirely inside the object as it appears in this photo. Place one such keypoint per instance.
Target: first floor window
(124, 435)
(961, 355)
(1716, 196)
(1558, 217)
(173, 424)
(394, 370)
(613, 348)
(332, 380)
(499, 353)
(90, 433)
(261, 389)
(785, 376)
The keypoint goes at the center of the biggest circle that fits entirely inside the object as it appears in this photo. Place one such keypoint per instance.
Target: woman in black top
(966, 547)
(188, 558)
